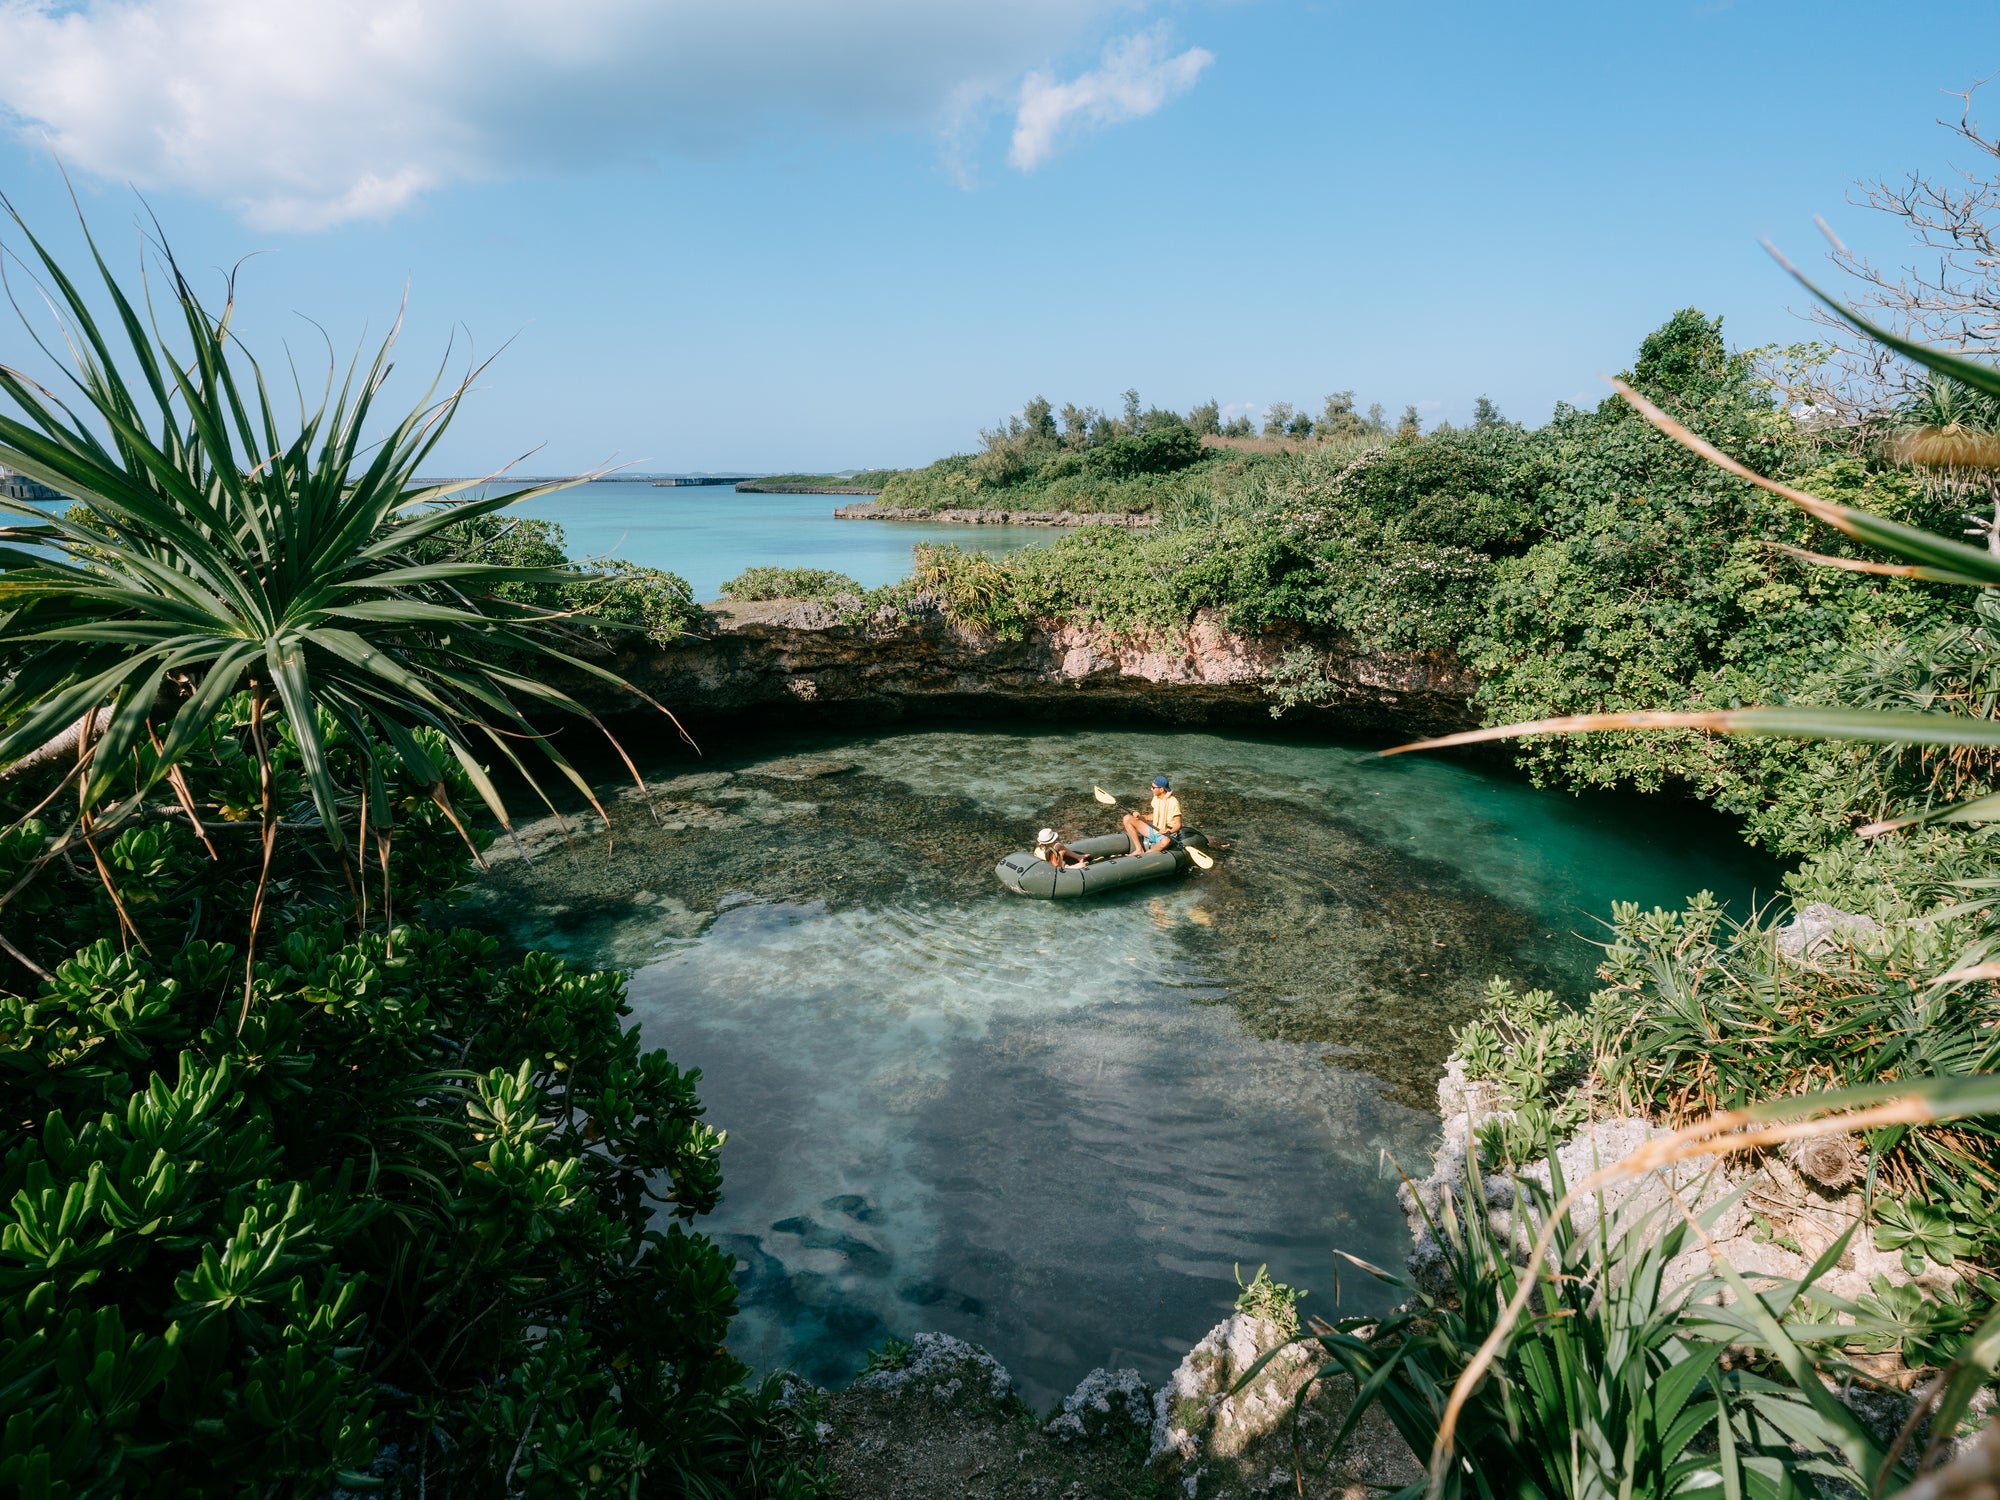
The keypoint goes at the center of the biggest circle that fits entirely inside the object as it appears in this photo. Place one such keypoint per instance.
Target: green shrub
(792, 583)
(1538, 1052)
(610, 596)
(413, 1196)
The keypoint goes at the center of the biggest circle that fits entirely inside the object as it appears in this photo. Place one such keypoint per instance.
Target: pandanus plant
(216, 548)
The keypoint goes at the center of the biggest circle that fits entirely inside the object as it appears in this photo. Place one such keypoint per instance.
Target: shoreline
(981, 516)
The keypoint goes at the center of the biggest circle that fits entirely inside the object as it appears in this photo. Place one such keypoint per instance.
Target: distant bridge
(20, 487)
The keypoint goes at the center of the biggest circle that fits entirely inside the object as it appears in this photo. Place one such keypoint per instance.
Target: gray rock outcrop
(1779, 1223)
(1105, 1404)
(1821, 930)
(946, 1366)
(1195, 1417)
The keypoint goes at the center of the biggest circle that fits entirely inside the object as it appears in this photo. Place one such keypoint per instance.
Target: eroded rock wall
(804, 661)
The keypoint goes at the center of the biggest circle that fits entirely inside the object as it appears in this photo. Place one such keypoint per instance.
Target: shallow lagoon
(1058, 1128)
(709, 533)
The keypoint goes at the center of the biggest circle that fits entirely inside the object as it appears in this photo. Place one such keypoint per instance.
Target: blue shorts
(1154, 839)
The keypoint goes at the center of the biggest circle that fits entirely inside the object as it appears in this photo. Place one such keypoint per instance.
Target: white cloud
(306, 113)
(1135, 77)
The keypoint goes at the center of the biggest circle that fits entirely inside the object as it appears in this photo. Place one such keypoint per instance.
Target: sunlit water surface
(1057, 1128)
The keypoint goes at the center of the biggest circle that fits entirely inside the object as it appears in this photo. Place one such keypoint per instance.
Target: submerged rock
(802, 768)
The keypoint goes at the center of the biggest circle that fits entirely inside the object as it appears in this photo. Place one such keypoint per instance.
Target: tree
(1951, 302)
(1685, 358)
(1132, 411)
(1486, 415)
(1077, 423)
(1206, 419)
(1239, 427)
(1039, 418)
(1300, 426)
(1410, 427)
(1277, 417)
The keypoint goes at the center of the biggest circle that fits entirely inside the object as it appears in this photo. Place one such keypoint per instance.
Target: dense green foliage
(422, 1210)
(607, 596)
(1589, 565)
(823, 584)
(363, 1204)
(860, 479)
(1088, 462)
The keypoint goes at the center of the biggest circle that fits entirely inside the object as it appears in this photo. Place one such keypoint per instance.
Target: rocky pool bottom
(1061, 1129)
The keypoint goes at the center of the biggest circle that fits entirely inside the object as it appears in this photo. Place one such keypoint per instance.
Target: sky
(776, 235)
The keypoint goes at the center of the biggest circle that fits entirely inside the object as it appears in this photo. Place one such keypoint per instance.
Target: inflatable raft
(1028, 876)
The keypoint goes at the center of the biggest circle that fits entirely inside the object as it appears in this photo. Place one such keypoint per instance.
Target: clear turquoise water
(1057, 1128)
(709, 533)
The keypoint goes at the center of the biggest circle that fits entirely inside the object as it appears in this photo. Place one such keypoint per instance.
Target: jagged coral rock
(944, 1364)
(1193, 1414)
(1105, 1403)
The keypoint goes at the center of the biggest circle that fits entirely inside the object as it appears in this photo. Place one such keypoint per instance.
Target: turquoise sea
(709, 533)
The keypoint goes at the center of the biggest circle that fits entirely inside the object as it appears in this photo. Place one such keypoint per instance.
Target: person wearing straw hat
(1161, 829)
(1050, 848)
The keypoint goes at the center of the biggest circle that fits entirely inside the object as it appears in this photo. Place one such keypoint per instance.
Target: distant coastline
(982, 516)
(788, 487)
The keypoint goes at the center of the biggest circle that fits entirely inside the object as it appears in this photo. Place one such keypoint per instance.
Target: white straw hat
(1046, 836)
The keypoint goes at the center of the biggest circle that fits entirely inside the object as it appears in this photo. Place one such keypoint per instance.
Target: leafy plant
(1615, 1383)
(891, 1354)
(409, 1216)
(1268, 1299)
(1538, 1052)
(1921, 1232)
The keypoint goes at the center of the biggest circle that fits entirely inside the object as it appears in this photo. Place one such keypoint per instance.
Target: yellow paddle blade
(1103, 796)
(1202, 861)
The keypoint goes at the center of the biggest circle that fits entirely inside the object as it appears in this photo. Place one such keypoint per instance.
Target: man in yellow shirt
(1162, 829)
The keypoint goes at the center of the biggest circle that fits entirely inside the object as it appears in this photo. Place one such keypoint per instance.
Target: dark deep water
(1055, 1128)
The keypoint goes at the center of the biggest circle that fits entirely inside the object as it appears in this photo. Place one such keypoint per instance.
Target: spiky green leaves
(216, 546)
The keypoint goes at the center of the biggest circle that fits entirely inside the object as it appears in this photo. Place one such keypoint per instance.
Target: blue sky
(784, 233)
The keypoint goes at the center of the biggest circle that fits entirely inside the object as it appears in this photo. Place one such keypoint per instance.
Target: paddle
(1201, 861)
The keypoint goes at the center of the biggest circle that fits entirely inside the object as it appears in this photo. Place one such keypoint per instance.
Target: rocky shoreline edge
(794, 662)
(945, 1423)
(980, 516)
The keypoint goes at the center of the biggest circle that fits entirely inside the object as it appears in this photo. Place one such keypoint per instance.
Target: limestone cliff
(804, 661)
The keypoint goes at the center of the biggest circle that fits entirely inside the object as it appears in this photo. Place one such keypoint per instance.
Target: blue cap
(1160, 782)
